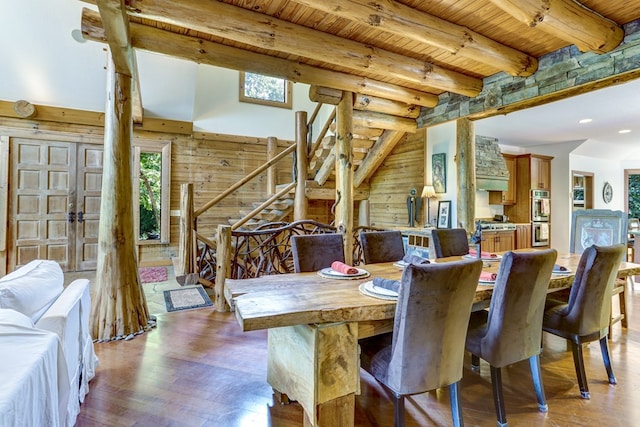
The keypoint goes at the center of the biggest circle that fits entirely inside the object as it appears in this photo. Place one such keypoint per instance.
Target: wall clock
(607, 192)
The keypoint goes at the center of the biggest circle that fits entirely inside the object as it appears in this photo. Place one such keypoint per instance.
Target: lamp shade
(428, 192)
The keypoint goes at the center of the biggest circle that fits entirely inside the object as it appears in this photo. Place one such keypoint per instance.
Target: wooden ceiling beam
(206, 52)
(116, 27)
(328, 95)
(396, 18)
(263, 31)
(567, 20)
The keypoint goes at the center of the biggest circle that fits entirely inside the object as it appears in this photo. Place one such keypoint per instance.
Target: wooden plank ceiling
(408, 50)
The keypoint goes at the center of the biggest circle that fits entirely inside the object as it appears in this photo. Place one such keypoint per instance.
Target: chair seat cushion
(376, 355)
(477, 330)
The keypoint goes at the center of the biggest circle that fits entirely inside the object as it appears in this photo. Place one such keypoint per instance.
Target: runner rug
(186, 298)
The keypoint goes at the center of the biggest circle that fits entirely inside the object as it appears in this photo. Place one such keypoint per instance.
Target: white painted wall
(442, 139)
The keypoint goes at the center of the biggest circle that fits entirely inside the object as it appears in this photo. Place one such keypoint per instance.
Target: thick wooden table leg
(318, 366)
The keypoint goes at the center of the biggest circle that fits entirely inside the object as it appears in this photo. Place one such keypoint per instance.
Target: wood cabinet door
(523, 236)
(509, 196)
(504, 241)
(489, 241)
(540, 173)
(89, 188)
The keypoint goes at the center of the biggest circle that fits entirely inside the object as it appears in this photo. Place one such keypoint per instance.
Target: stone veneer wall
(560, 70)
(489, 160)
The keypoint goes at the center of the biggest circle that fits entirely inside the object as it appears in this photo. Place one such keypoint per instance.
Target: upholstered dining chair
(585, 317)
(450, 242)
(381, 246)
(313, 252)
(425, 351)
(511, 331)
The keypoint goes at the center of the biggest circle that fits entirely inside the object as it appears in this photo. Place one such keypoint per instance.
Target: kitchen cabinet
(506, 197)
(533, 171)
(496, 241)
(523, 236)
(540, 173)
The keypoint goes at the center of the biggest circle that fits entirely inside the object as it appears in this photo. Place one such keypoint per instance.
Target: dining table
(314, 322)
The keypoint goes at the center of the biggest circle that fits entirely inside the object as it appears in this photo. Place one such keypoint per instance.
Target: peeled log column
(466, 172)
(344, 174)
(567, 20)
(119, 307)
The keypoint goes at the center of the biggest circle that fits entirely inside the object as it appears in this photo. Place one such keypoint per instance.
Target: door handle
(71, 216)
(80, 216)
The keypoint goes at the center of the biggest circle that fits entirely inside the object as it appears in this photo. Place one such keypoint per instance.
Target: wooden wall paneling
(401, 171)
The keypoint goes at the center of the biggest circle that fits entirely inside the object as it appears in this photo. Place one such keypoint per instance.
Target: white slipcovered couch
(38, 315)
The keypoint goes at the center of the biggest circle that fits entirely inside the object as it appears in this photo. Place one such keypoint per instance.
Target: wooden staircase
(278, 210)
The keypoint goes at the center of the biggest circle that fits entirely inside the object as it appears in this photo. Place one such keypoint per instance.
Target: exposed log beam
(362, 102)
(396, 18)
(205, 52)
(384, 121)
(567, 20)
(116, 27)
(256, 29)
(376, 155)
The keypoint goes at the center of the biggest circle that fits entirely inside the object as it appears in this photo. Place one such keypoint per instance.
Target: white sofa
(34, 305)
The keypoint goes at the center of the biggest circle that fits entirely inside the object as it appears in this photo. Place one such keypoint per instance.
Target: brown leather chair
(585, 317)
(511, 330)
(425, 351)
(313, 252)
(450, 242)
(381, 246)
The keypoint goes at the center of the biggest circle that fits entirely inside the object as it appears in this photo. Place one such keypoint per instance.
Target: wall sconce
(428, 192)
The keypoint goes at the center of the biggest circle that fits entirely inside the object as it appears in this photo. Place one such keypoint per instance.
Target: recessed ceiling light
(582, 121)
(625, 131)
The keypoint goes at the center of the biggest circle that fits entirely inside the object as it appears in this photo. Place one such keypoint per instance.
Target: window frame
(288, 103)
(163, 147)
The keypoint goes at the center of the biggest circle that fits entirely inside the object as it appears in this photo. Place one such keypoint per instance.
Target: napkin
(488, 277)
(392, 285)
(559, 267)
(343, 268)
(483, 254)
(414, 259)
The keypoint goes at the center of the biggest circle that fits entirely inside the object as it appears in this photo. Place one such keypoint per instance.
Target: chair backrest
(314, 252)
(450, 242)
(514, 325)
(430, 326)
(602, 227)
(589, 308)
(381, 246)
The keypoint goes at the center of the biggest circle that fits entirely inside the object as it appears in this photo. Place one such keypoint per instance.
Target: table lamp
(428, 192)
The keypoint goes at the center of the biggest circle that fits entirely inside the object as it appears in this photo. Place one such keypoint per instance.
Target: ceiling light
(625, 131)
(582, 121)
(77, 36)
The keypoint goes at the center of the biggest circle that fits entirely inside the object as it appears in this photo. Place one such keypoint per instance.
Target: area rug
(153, 274)
(186, 298)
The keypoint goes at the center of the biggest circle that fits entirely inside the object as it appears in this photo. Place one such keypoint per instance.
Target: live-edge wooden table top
(304, 298)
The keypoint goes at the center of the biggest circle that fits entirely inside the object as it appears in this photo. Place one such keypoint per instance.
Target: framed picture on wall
(444, 214)
(439, 172)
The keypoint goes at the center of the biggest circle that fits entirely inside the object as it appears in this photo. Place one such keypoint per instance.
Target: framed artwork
(439, 172)
(444, 214)
(600, 227)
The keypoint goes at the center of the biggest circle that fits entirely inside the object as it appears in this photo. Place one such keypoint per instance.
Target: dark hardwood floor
(198, 369)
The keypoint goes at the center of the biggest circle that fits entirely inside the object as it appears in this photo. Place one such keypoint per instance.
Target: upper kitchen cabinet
(507, 197)
(540, 172)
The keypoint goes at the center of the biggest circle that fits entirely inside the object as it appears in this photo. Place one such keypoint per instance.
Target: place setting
(560, 269)
(412, 259)
(487, 278)
(484, 256)
(340, 270)
(386, 289)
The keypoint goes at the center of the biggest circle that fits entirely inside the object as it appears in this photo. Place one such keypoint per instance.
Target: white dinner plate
(331, 273)
(369, 289)
(496, 258)
(567, 271)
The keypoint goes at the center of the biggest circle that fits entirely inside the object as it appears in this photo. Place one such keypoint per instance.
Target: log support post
(344, 174)
(119, 308)
(272, 172)
(223, 265)
(186, 248)
(466, 173)
(302, 165)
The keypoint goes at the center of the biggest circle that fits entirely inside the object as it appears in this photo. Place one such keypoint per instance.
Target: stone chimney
(491, 170)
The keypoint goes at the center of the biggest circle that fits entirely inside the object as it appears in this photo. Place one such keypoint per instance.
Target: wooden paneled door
(54, 202)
